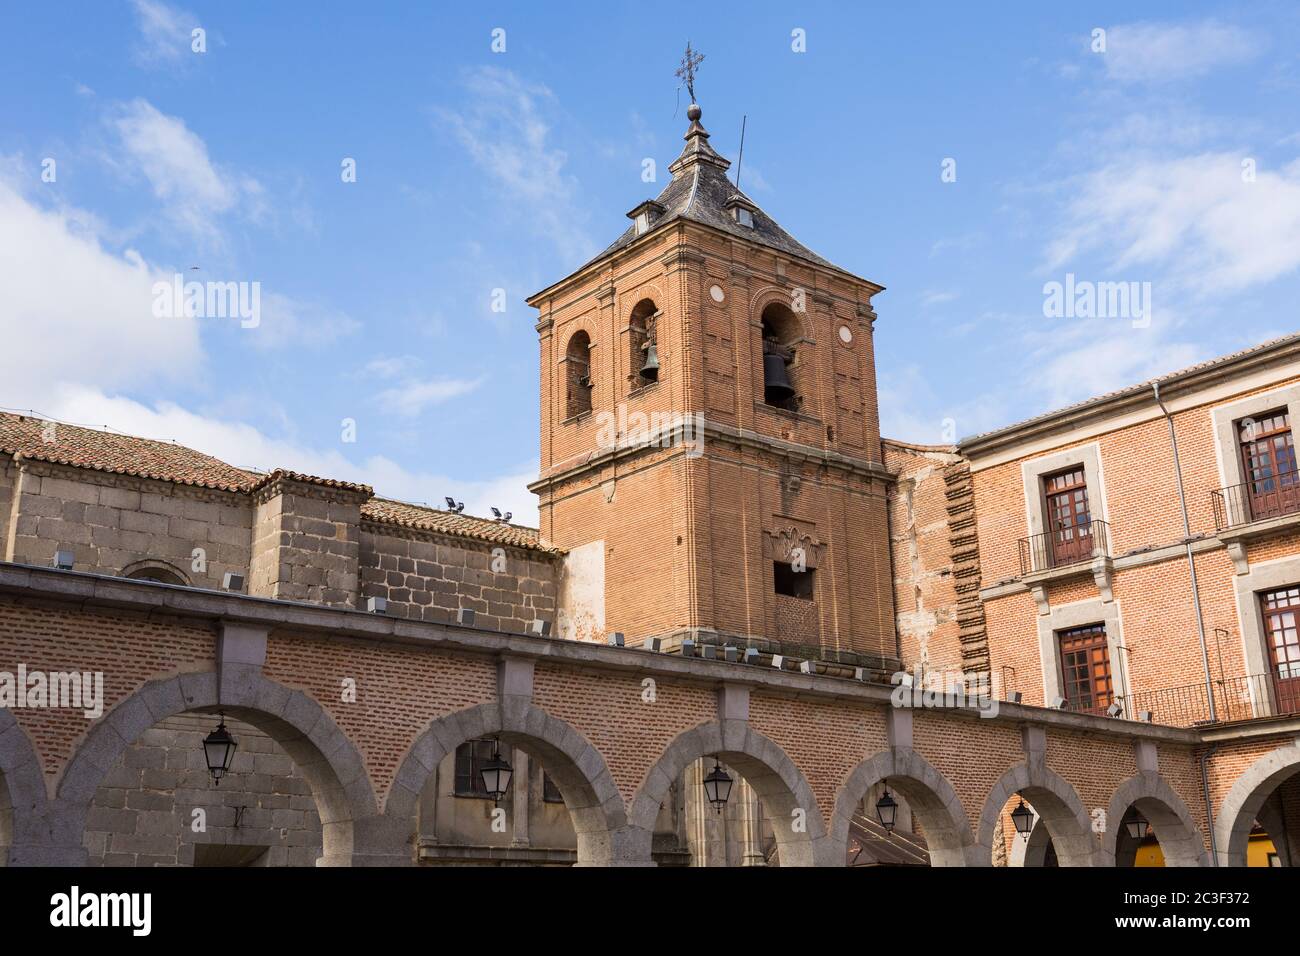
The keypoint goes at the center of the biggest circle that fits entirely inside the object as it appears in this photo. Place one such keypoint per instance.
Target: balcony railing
(1236, 698)
(1064, 546)
(1257, 499)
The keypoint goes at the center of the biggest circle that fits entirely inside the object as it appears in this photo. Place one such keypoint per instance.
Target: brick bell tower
(710, 439)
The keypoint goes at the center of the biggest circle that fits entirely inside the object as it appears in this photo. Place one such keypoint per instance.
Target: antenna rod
(741, 158)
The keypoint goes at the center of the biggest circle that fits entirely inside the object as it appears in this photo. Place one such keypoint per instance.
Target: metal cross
(686, 72)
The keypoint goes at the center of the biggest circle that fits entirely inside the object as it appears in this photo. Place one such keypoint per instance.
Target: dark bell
(776, 384)
(650, 370)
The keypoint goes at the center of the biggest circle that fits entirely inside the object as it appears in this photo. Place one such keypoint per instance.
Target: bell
(650, 370)
(776, 385)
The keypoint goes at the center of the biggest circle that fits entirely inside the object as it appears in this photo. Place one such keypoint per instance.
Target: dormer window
(645, 215)
(742, 210)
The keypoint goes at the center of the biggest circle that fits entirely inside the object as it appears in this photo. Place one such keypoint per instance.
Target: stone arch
(154, 569)
(931, 797)
(641, 328)
(1055, 803)
(1033, 851)
(1180, 840)
(577, 373)
(23, 800)
(1246, 799)
(329, 762)
(779, 784)
(577, 768)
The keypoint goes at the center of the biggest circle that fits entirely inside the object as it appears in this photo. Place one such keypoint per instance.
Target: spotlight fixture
(496, 513)
(1115, 709)
(751, 655)
(717, 786)
(539, 627)
(232, 581)
(778, 661)
(730, 653)
(1058, 702)
(1014, 697)
(652, 644)
(63, 560)
(807, 667)
(377, 605)
(465, 616)
(688, 647)
(1145, 716)
(615, 638)
(454, 506)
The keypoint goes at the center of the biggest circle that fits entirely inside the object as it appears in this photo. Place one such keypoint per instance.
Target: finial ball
(693, 112)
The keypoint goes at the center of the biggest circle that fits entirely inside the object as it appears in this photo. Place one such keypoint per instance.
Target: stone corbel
(1237, 552)
(1102, 573)
(1039, 592)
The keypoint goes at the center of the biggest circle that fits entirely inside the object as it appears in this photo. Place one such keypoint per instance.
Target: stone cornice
(113, 479)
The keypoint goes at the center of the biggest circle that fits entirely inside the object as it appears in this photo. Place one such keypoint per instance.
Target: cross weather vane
(686, 72)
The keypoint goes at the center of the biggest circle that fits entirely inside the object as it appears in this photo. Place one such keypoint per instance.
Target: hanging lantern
(1023, 818)
(219, 751)
(1137, 826)
(717, 786)
(887, 811)
(496, 774)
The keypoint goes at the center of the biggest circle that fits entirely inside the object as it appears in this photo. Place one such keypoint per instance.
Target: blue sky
(479, 170)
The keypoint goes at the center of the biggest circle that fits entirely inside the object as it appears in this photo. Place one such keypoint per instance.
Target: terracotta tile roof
(120, 454)
(23, 436)
(422, 518)
(285, 475)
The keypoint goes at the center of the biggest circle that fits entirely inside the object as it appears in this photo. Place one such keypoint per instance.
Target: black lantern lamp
(219, 750)
(1023, 818)
(496, 774)
(717, 786)
(1137, 826)
(887, 810)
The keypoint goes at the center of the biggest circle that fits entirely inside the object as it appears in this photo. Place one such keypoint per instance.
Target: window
(577, 358)
(643, 353)
(792, 583)
(744, 217)
(1085, 669)
(1069, 521)
(550, 792)
(1281, 610)
(470, 758)
(782, 332)
(1268, 463)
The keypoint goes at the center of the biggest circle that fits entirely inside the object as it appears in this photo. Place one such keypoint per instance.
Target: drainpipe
(1191, 562)
(1209, 810)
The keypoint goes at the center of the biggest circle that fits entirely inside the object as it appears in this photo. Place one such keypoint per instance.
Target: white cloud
(937, 296)
(165, 33)
(72, 311)
(243, 445)
(1191, 221)
(1163, 52)
(504, 128)
(413, 396)
(194, 193)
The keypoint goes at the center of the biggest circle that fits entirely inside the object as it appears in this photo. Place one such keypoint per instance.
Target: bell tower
(710, 443)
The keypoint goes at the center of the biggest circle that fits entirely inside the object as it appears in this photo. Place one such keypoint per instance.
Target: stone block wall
(262, 814)
(113, 523)
(429, 577)
(306, 543)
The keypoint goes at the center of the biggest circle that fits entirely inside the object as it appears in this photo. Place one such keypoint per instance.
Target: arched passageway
(1143, 810)
(1055, 804)
(320, 752)
(1254, 802)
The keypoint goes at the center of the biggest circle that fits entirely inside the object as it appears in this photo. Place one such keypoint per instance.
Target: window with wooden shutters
(1085, 668)
(1069, 520)
(1281, 610)
(1268, 462)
